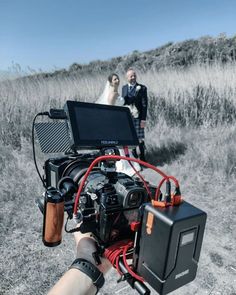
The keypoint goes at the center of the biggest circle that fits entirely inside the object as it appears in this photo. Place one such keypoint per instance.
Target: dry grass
(200, 95)
(191, 134)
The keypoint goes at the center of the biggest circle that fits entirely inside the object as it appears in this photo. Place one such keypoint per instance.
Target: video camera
(129, 217)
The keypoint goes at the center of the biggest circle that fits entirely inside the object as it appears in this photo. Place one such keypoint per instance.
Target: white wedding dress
(103, 99)
(122, 165)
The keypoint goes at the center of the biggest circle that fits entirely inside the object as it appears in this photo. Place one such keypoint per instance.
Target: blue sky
(44, 34)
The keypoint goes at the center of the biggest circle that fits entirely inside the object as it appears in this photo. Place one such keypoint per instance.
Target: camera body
(110, 201)
(166, 233)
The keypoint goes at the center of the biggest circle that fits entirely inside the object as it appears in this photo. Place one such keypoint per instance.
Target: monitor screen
(96, 125)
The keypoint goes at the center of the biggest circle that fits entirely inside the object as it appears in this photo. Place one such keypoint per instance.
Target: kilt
(139, 130)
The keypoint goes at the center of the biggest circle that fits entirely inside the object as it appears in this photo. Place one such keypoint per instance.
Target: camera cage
(78, 130)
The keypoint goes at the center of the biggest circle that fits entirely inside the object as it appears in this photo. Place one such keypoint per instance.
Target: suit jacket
(140, 100)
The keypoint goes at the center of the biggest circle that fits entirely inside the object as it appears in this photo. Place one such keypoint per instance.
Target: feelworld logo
(109, 142)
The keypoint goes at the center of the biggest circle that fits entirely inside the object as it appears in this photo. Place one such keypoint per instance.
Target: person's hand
(85, 247)
(75, 282)
(143, 124)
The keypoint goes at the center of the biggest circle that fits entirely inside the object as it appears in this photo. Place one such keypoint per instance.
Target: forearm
(74, 282)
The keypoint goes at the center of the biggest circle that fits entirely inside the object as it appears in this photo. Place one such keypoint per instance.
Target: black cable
(33, 146)
(73, 230)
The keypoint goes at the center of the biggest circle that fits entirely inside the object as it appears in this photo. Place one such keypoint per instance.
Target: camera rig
(129, 218)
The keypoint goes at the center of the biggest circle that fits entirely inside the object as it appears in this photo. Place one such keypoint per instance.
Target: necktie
(131, 90)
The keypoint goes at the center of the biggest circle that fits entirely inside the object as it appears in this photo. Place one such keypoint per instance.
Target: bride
(111, 96)
(110, 93)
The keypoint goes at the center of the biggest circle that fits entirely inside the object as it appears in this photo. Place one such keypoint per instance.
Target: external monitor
(97, 125)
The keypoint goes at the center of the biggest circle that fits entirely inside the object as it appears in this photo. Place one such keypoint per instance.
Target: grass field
(191, 134)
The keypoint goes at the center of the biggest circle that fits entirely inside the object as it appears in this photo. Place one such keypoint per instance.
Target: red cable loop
(174, 179)
(161, 183)
(114, 252)
(159, 188)
(136, 276)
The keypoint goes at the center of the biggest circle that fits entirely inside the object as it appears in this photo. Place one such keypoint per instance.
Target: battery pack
(169, 245)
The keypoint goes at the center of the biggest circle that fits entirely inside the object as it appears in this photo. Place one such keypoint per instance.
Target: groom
(135, 96)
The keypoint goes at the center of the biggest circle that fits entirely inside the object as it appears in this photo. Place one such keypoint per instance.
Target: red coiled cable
(118, 250)
(136, 276)
(114, 252)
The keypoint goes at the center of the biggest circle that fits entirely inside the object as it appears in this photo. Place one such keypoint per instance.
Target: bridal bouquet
(133, 110)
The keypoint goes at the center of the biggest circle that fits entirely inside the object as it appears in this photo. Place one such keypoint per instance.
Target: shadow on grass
(165, 154)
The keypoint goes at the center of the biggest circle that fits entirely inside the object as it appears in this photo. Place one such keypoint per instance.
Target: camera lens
(134, 199)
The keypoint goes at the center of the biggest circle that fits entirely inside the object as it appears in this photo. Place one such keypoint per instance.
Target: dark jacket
(140, 100)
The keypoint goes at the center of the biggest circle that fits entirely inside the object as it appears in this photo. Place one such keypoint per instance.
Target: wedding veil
(103, 99)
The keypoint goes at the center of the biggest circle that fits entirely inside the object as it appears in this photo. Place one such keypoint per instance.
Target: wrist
(86, 247)
(90, 270)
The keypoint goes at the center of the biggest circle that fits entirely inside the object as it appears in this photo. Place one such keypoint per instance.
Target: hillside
(205, 50)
